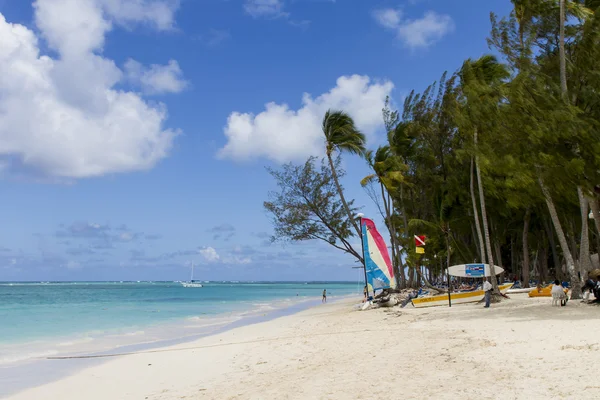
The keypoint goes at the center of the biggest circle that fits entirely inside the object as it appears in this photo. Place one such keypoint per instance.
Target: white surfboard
(473, 270)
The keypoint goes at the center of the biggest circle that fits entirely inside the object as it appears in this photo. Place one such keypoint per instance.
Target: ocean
(38, 320)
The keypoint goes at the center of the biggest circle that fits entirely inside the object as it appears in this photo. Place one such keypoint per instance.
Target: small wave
(74, 342)
(14, 358)
(136, 333)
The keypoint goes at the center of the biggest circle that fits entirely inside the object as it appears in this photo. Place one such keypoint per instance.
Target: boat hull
(524, 290)
(457, 298)
(191, 285)
(544, 292)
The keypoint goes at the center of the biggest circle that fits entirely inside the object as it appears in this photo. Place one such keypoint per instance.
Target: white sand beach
(520, 349)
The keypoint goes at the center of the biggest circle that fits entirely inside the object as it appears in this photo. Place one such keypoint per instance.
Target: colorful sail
(380, 273)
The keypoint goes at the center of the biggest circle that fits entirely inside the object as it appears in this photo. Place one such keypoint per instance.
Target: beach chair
(559, 299)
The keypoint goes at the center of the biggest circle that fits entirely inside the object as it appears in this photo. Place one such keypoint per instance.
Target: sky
(134, 134)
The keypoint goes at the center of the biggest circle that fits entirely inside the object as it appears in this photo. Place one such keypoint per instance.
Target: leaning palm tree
(387, 171)
(480, 81)
(342, 135)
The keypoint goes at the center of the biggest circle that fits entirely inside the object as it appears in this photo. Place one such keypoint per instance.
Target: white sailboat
(191, 283)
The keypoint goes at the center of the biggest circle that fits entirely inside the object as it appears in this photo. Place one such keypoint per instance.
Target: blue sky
(134, 134)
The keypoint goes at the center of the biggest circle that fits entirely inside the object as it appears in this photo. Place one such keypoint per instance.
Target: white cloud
(214, 37)
(209, 254)
(265, 8)
(388, 18)
(158, 13)
(237, 260)
(156, 79)
(64, 117)
(282, 134)
(415, 33)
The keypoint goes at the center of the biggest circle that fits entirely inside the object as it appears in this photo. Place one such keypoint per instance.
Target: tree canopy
(526, 122)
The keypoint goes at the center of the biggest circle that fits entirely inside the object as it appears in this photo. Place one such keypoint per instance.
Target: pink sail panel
(380, 272)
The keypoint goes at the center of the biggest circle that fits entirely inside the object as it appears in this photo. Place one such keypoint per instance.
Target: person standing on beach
(324, 296)
(487, 288)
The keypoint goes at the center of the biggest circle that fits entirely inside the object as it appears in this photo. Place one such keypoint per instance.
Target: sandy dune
(520, 349)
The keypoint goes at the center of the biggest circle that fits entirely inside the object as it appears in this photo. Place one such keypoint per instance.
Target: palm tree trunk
(573, 244)
(473, 239)
(544, 262)
(498, 249)
(486, 230)
(446, 233)
(404, 219)
(562, 240)
(388, 217)
(585, 263)
(411, 277)
(596, 213)
(476, 217)
(512, 255)
(561, 52)
(351, 217)
(552, 243)
(395, 243)
(526, 249)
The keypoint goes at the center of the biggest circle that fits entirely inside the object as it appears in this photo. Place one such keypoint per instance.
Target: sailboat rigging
(192, 283)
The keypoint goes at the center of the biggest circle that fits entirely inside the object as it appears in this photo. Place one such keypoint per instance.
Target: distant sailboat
(191, 283)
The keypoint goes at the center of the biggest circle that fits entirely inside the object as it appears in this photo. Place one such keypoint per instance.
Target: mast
(192, 277)
(362, 243)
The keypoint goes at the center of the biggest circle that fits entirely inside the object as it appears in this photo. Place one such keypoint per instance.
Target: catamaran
(192, 283)
(461, 297)
(472, 296)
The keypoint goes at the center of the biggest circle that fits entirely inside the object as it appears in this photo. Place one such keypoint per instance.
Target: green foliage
(307, 206)
(341, 134)
(526, 131)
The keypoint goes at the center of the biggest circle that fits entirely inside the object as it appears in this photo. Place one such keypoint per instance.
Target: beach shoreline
(37, 371)
(521, 348)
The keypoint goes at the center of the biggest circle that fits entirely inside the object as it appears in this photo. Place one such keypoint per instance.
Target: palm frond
(368, 179)
(341, 133)
(419, 223)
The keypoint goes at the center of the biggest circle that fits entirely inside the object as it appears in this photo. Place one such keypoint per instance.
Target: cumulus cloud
(282, 134)
(234, 259)
(63, 117)
(388, 18)
(156, 79)
(209, 254)
(415, 33)
(157, 13)
(265, 8)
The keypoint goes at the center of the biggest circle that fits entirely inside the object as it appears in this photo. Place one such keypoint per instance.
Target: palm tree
(476, 217)
(342, 135)
(486, 229)
(584, 252)
(386, 168)
(561, 51)
(562, 240)
(402, 146)
(480, 80)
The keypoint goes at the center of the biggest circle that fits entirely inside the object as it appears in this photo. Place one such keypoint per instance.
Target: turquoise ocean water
(67, 318)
